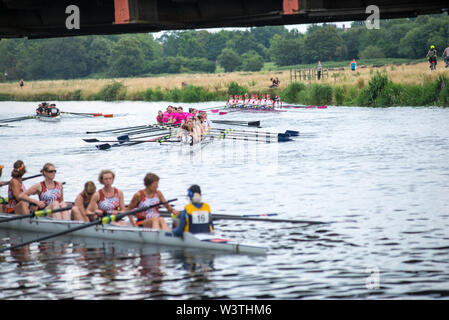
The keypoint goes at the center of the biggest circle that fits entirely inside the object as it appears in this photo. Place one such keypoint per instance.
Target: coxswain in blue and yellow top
(196, 216)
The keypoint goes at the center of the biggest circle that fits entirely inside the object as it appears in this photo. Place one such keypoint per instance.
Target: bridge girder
(47, 18)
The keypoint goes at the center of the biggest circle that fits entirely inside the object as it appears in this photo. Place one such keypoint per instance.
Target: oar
(26, 178)
(158, 133)
(238, 123)
(216, 216)
(117, 129)
(153, 127)
(104, 220)
(289, 132)
(38, 213)
(17, 119)
(82, 113)
(107, 146)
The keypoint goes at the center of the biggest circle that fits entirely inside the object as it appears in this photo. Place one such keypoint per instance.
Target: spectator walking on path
(318, 69)
(446, 56)
(353, 65)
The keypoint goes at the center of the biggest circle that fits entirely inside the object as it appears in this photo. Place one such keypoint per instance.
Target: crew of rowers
(92, 204)
(193, 125)
(46, 109)
(253, 102)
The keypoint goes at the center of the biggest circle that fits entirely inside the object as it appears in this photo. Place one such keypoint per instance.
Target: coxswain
(50, 192)
(108, 200)
(149, 196)
(82, 202)
(196, 216)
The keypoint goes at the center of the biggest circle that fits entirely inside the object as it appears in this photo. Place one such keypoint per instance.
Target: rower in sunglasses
(50, 193)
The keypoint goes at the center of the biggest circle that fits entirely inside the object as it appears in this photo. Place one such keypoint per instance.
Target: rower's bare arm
(167, 205)
(26, 195)
(93, 204)
(80, 204)
(62, 191)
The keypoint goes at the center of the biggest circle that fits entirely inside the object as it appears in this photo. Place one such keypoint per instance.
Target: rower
(148, 197)
(246, 101)
(82, 202)
(277, 102)
(166, 115)
(15, 188)
(269, 102)
(229, 102)
(185, 134)
(3, 206)
(50, 193)
(196, 216)
(235, 102)
(160, 117)
(53, 111)
(240, 102)
(108, 200)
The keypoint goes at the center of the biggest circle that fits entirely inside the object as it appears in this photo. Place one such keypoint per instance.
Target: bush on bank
(380, 92)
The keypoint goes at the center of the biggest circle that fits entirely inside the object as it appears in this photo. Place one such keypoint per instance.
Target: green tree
(99, 52)
(189, 46)
(229, 60)
(127, 58)
(372, 52)
(251, 61)
(285, 51)
(324, 44)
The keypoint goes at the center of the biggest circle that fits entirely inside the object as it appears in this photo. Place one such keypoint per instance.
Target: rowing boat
(48, 118)
(249, 109)
(134, 234)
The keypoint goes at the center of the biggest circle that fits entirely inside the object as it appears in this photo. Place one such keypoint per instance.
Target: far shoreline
(409, 85)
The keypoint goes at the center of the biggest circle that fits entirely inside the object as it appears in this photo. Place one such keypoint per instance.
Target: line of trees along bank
(201, 51)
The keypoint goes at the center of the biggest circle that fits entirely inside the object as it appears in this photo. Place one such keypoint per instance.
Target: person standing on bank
(21, 83)
(318, 69)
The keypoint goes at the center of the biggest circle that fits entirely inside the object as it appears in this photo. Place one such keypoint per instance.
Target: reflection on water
(380, 176)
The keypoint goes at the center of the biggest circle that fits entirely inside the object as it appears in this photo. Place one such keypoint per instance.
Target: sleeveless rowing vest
(108, 204)
(12, 201)
(198, 220)
(50, 195)
(145, 202)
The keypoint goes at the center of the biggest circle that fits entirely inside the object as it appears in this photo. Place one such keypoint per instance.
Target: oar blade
(104, 146)
(91, 140)
(292, 133)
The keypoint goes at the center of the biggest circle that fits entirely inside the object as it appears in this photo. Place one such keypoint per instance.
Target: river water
(379, 176)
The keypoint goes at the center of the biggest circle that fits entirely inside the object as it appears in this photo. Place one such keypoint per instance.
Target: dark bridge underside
(47, 18)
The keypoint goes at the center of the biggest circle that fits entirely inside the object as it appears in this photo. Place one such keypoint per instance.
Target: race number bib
(200, 217)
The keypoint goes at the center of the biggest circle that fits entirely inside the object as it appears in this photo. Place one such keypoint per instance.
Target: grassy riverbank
(394, 84)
